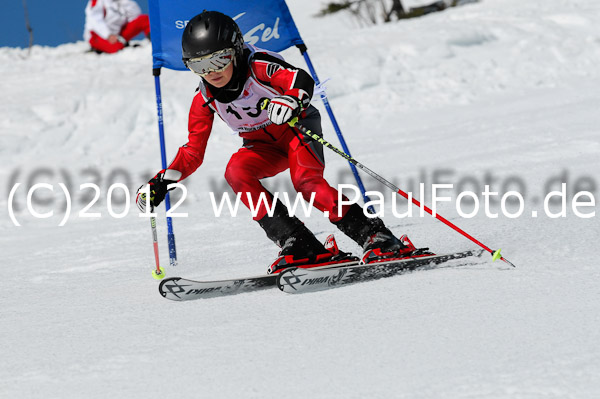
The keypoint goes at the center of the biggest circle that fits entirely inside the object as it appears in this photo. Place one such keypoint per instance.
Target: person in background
(111, 24)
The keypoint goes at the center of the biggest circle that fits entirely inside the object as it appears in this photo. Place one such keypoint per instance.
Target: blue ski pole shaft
(163, 155)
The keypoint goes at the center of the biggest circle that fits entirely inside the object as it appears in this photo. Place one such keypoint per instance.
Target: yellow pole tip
(158, 275)
(496, 255)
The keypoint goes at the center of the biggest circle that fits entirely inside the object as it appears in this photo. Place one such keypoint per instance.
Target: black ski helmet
(208, 32)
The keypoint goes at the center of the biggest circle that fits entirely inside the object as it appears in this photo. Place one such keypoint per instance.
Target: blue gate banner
(266, 24)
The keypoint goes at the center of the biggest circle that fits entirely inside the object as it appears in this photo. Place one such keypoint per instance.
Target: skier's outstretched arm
(189, 156)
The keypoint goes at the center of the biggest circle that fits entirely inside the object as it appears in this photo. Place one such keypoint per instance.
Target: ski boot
(382, 247)
(299, 246)
(306, 260)
(377, 241)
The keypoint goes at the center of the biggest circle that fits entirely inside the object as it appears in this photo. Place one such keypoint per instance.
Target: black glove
(158, 191)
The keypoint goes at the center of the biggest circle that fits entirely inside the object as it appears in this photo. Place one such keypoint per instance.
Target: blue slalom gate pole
(336, 127)
(163, 155)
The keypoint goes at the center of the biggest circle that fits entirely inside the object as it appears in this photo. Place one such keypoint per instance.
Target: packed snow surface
(500, 92)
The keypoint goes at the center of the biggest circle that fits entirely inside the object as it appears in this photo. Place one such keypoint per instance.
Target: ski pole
(294, 123)
(159, 272)
(495, 254)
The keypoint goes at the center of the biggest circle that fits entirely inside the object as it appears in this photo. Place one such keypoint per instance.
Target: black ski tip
(283, 280)
(165, 281)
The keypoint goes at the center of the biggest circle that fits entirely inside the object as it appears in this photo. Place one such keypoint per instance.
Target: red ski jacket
(267, 76)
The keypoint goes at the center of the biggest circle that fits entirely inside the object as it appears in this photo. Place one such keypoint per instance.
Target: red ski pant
(128, 32)
(261, 159)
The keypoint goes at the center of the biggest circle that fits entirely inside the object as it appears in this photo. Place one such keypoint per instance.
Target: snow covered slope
(501, 92)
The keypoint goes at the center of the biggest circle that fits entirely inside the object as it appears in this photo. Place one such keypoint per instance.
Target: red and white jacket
(268, 76)
(107, 17)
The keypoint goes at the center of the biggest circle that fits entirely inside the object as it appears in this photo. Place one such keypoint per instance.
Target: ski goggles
(215, 62)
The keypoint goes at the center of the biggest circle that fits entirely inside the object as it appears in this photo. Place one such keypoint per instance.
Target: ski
(182, 289)
(295, 280)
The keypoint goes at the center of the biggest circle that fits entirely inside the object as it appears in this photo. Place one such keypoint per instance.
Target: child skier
(236, 79)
